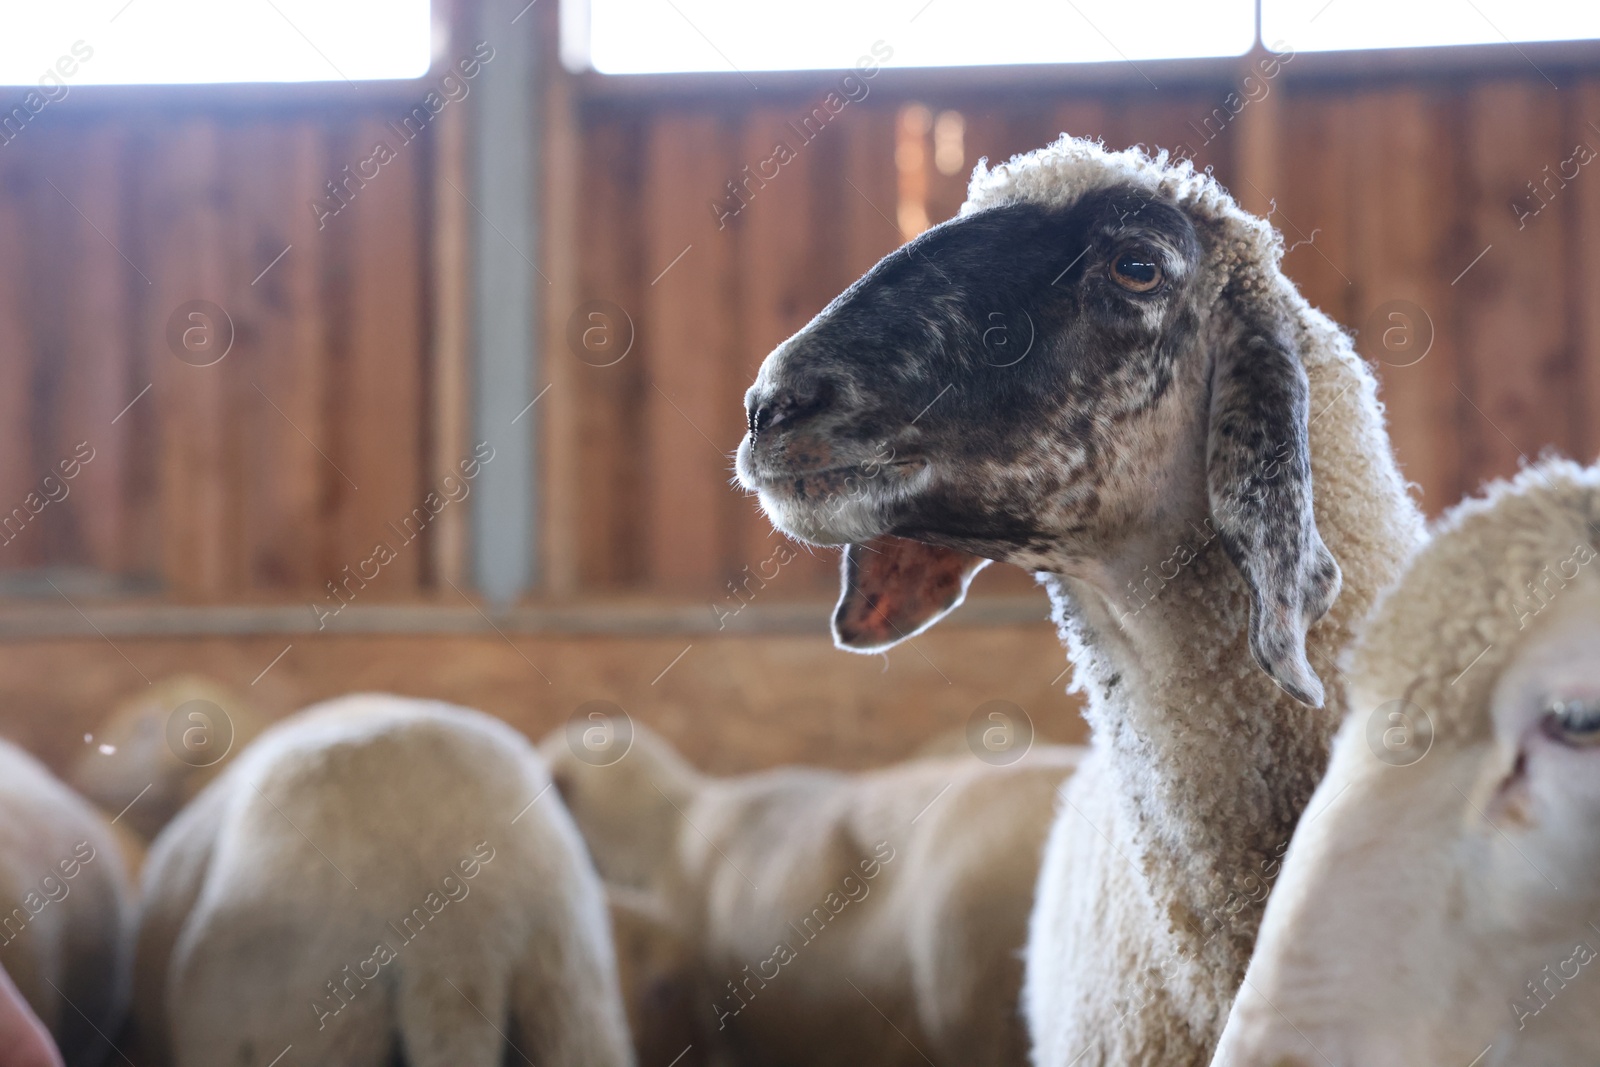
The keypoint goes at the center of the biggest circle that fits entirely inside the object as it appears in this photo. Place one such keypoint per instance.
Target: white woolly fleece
(1494, 563)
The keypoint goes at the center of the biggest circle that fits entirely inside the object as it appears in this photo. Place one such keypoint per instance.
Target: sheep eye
(1137, 272)
(1574, 722)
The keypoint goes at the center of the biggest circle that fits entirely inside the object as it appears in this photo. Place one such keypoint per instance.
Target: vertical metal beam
(504, 161)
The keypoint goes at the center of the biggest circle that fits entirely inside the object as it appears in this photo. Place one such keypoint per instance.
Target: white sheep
(834, 918)
(376, 879)
(1440, 902)
(1099, 372)
(67, 910)
(133, 766)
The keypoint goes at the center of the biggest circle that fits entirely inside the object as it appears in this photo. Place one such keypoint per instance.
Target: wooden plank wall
(264, 474)
(1421, 194)
(733, 704)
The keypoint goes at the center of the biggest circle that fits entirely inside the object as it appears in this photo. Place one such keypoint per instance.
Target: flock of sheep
(1339, 806)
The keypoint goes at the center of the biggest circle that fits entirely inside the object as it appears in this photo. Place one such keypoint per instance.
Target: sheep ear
(892, 589)
(1258, 474)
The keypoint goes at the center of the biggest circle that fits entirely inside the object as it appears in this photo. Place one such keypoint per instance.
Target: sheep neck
(1207, 763)
(1174, 700)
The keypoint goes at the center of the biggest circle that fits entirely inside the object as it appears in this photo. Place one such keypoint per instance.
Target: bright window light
(1333, 25)
(53, 43)
(664, 36)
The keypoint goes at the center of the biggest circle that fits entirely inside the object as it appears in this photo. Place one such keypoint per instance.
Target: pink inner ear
(894, 588)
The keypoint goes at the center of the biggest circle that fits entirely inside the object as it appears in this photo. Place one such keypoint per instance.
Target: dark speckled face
(968, 389)
(1061, 388)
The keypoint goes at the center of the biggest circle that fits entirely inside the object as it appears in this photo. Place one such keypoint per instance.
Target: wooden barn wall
(730, 705)
(1450, 198)
(263, 476)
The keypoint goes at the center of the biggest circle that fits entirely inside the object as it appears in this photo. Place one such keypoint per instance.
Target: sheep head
(137, 749)
(628, 804)
(1440, 900)
(1059, 384)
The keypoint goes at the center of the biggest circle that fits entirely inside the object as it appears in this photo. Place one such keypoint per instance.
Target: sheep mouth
(822, 483)
(836, 505)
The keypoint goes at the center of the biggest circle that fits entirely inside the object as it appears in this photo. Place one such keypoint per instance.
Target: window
(1333, 25)
(58, 44)
(661, 36)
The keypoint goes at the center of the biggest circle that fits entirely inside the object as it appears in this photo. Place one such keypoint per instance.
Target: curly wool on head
(1494, 563)
(1071, 167)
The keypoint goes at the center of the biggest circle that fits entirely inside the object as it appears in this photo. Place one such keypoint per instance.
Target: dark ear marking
(892, 589)
(1258, 473)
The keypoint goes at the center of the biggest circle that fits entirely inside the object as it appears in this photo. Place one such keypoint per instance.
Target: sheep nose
(786, 406)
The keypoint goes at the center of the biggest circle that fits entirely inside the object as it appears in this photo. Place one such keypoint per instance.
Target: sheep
(375, 880)
(134, 766)
(1439, 903)
(67, 912)
(1098, 372)
(833, 917)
